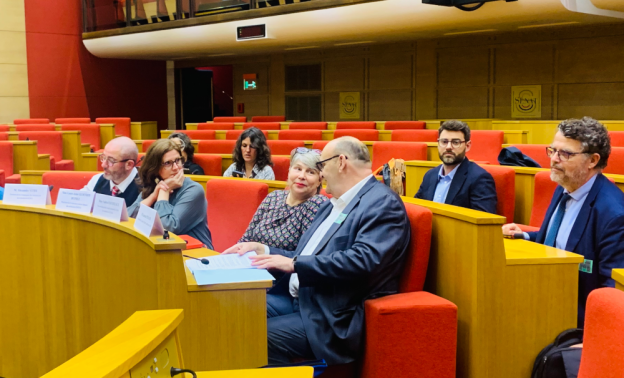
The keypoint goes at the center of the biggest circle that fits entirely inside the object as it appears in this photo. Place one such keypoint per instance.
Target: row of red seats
(390, 125)
(122, 124)
(253, 119)
(48, 142)
(89, 132)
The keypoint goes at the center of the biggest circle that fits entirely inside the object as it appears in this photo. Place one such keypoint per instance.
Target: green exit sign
(250, 82)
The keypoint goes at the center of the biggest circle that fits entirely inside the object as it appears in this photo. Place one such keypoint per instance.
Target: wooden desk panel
(144, 130)
(618, 276)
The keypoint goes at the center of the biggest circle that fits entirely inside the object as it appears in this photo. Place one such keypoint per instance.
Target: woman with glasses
(179, 201)
(187, 153)
(252, 157)
(285, 215)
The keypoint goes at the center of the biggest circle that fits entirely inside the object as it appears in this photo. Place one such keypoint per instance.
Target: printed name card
(111, 208)
(75, 200)
(26, 194)
(147, 222)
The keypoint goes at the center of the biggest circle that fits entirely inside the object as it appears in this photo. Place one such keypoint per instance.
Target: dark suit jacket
(472, 187)
(597, 234)
(358, 259)
(102, 186)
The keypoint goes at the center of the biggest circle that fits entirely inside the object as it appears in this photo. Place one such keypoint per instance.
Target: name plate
(148, 222)
(75, 200)
(111, 208)
(27, 194)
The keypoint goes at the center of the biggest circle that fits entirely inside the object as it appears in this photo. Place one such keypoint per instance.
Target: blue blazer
(358, 259)
(597, 234)
(472, 187)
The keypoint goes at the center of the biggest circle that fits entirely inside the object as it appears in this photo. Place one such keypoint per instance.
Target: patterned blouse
(278, 225)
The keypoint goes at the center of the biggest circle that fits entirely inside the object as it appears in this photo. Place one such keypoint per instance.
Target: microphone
(203, 260)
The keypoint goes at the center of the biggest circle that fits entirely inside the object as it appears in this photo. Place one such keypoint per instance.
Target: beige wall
(13, 68)
(581, 70)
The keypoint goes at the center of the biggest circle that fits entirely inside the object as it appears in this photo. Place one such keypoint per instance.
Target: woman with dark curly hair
(252, 157)
(180, 202)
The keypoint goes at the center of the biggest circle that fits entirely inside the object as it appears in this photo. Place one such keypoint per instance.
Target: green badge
(586, 266)
(341, 218)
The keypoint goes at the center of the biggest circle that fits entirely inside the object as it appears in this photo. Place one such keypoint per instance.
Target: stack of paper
(227, 269)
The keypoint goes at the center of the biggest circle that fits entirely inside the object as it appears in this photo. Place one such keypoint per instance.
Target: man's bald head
(124, 153)
(346, 163)
(351, 147)
(125, 146)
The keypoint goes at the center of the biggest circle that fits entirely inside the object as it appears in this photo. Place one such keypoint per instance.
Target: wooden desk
(513, 296)
(618, 276)
(143, 130)
(26, 156)
(68, 279)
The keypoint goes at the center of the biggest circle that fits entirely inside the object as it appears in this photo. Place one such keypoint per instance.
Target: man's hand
(242, 248)
(511, 228)
(274, 262)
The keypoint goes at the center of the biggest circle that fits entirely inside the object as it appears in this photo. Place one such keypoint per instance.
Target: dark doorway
(223, 88)
(195, 95)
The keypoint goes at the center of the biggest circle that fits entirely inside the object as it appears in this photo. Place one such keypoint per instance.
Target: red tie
(115, 191)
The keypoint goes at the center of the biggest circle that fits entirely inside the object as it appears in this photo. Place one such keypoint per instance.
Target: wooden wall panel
(13, 62)
(465, 102)
(598, 100)
(14, 80)
(344, 75)
(463, 67)
(590, 60)
(391, 71)
(521, 65)
(390, 105)
(13, 108)
(331, 108)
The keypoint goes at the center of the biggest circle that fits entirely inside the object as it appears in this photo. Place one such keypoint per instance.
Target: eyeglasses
(454, 142)
(303, 150)
(111, 161)
(321, 164)
(563, 155)
(169, 164)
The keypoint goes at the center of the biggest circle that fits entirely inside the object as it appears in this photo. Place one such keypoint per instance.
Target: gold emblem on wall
(349, 105)
(526, 101)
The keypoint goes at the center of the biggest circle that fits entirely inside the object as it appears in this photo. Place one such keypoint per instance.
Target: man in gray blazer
(353, 251)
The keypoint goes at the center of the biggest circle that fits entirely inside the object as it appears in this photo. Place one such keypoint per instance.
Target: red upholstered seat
(30, 121)
(536, 152)
(320, 144)
(40, 127)
(486, 145)
(145, 145)
(140, 161)
(122, 124)
(215, 126)
(61, 121)
(405, 125)
(231, 205)
(615, 163)
(603, 339)
(262, 125)
(216, 146)
(50, 142)
(4, 135)
(234, 134)
(544, 188)
(229, 119)
(211, 164)
(284, 147)
(383, 152)
(356, 125)
(5, 128)
(505, 181)
(281, 165)
(89, 133)
(617, 138)
(301, 135)
(414, 136)
(363, 135)
(268, 119)
(307, 126)
(198, 134)
(66, 180)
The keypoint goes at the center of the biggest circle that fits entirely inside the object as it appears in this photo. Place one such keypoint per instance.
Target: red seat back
(89, 133)
(30, 121)
(262, 125)
(284, 147)
(486, 145)
(228, 223)
(140, 161)
(536, 152)
(211, 164)
(6, 158)
(145, 145)
(505, 181)
(48, 142)
(35, 128)
(4, 135)
(405, 125)
(66, 180)
(215, 126)
(198, 134)
(5, 128)
(544, 188)
(268, 119)
(122, 124)
(384, 151)
(615, 164)
(307, 126)
(216, 146)
(617, 138)
(415, 135)
(234, 134)
(61, 121)
(356, 125)
(229, 119)
(281, 165)
(363, 135)
(320, 144)
(301, 135)
(603, 339)
(417, 260)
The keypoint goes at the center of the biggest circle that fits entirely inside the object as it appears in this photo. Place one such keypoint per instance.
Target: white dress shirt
(121, 186)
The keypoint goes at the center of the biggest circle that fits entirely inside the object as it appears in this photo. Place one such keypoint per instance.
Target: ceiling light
(353, 43)
(302, 48)
(545, 25)
(471, 32)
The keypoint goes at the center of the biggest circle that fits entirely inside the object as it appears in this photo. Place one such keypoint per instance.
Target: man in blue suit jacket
(586, 214)
(353, 251)
(458, 181)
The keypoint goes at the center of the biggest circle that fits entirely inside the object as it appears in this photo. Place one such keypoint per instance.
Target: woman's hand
(175, 182)
(163, 191)
(149, 201)
(242, 248)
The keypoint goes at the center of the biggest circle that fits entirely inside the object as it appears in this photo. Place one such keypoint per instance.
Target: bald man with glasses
(118, 162)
